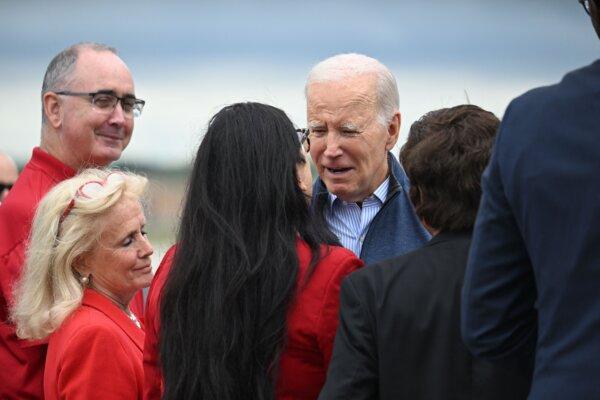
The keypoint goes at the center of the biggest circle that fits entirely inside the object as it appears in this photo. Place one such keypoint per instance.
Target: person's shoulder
(396, 269)
(574, 84)
(85, 325)
(339, 259)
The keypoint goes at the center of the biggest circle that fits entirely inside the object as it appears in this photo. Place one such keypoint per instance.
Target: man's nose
(117, 117)
(332, 145)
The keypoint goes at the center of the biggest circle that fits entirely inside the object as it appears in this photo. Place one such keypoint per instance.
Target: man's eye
(127, 105)
(318, 132)
(103, 101)
(349, 133)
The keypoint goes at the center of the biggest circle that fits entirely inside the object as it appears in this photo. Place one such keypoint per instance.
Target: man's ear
(52, 109)
(393, 130)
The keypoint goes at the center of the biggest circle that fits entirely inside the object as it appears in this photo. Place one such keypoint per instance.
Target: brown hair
(444, 157)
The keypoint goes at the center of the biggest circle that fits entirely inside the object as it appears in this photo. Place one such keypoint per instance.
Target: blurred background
(190, 58)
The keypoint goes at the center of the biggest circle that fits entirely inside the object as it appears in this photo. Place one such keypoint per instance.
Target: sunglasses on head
(91, 190)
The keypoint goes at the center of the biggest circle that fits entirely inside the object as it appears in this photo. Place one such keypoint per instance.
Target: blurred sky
(189, 58)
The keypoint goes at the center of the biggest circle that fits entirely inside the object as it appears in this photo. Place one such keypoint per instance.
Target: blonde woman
(88, 256)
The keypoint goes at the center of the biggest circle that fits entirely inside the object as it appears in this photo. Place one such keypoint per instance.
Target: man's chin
(106, 157)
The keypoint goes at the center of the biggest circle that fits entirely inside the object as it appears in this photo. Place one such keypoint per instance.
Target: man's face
(348, 144)
(91, 136)
(8, 175)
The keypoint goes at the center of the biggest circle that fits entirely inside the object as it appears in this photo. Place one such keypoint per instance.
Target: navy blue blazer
(532, 283)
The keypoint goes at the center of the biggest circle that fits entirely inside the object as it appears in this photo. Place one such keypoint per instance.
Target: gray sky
(191, 58)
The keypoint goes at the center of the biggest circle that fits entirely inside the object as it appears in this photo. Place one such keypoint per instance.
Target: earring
(85, 280)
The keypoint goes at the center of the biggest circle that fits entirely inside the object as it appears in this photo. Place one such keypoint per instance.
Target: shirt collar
(56, 169)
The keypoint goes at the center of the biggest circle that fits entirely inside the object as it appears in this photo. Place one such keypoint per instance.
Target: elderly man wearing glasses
(88, 109)
(531, 284)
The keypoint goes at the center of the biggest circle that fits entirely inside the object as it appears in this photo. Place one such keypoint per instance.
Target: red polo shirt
(22, 362)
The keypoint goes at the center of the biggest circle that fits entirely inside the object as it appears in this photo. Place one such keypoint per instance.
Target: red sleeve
(329, 316)
(152, 374)
(96, 365)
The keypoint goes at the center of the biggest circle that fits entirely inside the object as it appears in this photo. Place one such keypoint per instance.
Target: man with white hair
(8, 175)
(88, 106)
(362, 191)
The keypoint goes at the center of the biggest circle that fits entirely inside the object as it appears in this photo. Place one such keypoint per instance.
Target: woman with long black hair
(245, 306)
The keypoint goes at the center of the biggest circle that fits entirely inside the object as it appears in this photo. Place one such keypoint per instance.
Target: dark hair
(225, 302)
(444, 157)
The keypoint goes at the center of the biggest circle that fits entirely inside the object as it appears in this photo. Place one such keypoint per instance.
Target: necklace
(133, 318)
(121, 305)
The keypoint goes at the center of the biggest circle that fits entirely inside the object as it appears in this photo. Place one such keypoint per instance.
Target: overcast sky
(189, 58)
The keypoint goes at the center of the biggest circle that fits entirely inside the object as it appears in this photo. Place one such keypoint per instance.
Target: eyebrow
(112, 92)
(349, 126)
(315, 124)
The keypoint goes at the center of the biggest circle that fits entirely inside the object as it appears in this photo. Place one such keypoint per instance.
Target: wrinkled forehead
(354, 98)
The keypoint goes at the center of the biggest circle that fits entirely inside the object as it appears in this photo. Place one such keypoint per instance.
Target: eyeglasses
(303, 138)
(5, 186)
(92, 190)
(106, 101)
(586, 5)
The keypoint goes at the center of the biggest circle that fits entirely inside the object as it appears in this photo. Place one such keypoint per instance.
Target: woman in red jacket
(246, 305)
(87, 258)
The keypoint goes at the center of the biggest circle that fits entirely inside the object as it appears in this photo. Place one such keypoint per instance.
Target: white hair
(49, 290)
(343, 66)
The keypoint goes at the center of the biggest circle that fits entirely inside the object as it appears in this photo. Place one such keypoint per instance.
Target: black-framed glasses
(5, 186)
(303, 138)
(106, 101)
(586, 5)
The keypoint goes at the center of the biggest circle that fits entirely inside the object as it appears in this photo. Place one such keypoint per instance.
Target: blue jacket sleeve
(498, 297)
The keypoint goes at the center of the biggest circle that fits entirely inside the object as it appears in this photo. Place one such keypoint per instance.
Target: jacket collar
(51, 166)
(445, 236)
(95, 300)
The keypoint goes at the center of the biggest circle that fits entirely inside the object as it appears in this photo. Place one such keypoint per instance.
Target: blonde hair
(343, 66)
(50, 288)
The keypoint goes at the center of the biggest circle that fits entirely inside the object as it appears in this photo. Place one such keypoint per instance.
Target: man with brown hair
(399, 331)
(88, 106)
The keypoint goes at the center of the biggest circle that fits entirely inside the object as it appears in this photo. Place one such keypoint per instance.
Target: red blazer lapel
(93, 299)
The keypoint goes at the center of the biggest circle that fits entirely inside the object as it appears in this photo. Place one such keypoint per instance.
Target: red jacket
(312, 323)
(21, 361)
(95, 354)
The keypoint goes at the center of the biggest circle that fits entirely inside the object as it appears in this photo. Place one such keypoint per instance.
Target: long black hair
(224, 305)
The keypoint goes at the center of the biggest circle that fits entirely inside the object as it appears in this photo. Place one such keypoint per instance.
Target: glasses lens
(104, 101)
(138, 107)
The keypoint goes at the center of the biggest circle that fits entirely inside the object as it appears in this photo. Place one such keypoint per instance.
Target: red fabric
(312, 323)
(95, 354)
(22, 362)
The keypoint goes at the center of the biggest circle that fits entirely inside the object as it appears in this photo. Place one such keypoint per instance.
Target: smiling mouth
(110, 137)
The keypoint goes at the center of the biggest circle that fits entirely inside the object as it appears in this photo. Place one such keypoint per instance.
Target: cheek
(316, 149)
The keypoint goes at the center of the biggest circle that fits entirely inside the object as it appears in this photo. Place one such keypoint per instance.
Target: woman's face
(120, 261)
(304, 174)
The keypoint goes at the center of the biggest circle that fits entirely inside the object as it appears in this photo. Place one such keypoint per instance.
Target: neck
(50, 143)
(122, 305)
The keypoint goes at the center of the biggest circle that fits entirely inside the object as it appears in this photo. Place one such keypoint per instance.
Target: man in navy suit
(532, 284)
